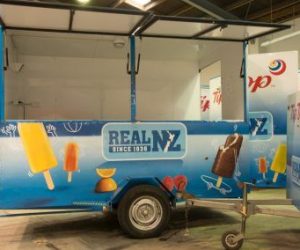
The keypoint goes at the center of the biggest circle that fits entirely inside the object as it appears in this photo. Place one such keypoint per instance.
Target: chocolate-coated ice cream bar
(225, 161)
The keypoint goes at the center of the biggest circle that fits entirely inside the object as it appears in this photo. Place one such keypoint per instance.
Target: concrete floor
(91, 231)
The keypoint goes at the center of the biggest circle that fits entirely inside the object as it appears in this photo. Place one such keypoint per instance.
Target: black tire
(130, 203)
(226, 240)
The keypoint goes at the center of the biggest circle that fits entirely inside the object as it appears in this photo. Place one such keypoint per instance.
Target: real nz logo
(141, 141)
(261, 125)
(144, 141)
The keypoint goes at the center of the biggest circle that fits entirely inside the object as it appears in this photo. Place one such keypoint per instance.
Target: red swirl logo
(277, 67)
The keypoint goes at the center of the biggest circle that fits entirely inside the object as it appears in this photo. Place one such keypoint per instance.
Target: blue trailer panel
(181, 152)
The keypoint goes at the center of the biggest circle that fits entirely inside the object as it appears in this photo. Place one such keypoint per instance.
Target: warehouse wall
(230, 55)
(168, 85)
(209, 72)
(75, 88)
(289, 44)
(168, 90)
(60, 85)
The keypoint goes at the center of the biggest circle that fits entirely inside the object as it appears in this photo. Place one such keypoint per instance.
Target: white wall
(230, 55)
(211, 71)
(168, 90)
(85, 78)
(75, 88)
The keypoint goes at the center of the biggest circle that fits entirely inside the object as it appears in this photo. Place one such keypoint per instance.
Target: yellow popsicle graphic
(39, 152)
(279, 161)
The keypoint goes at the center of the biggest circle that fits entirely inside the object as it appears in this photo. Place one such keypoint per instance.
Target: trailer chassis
(234, 239)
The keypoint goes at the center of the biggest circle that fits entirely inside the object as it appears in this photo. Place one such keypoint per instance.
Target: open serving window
(68, 62)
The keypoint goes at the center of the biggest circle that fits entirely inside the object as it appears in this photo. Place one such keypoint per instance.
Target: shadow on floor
(281, 239)
(198, 217)
(93, 231)
(56, 226)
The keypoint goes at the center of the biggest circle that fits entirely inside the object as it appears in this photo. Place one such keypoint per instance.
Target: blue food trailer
(140, 169)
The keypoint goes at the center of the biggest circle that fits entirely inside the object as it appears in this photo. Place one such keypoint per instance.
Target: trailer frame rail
(246, 208)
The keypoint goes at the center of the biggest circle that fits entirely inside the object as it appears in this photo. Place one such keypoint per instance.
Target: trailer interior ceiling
(43, 16)
(70, 62)
(276, 11)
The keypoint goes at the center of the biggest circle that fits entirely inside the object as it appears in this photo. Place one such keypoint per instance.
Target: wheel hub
(145, 213)
(230, 240)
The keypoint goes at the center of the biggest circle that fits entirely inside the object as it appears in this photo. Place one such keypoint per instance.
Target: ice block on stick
(39, 152)
(225, 161)
(71, 159)
(262, 166)
(279, 161)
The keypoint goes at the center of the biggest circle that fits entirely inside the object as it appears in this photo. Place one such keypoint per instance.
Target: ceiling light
(281, 38)
(140, 4)
(83, 1)
(119, 43)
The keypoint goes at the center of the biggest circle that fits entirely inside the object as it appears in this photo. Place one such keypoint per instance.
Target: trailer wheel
(144, 211)
(228, 240)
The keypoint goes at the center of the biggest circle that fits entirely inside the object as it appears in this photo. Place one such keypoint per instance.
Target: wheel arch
(133, 182)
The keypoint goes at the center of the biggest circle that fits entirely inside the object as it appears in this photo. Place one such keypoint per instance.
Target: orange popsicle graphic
(39, 152)
(262, 166)
(71, 159)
